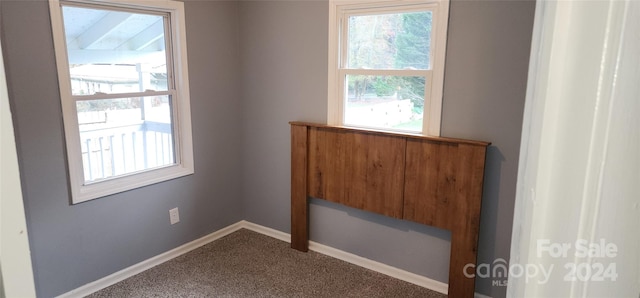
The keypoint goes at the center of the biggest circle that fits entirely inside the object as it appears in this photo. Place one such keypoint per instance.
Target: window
(387, 65)
(122, 70)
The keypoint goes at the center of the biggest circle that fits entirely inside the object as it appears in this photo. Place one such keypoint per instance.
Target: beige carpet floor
(249, 264)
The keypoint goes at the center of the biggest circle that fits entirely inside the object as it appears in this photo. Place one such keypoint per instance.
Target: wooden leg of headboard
(299, 204)
(465, 220)
(461, 274)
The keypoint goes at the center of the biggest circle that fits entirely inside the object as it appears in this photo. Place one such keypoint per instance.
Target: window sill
(113, 186)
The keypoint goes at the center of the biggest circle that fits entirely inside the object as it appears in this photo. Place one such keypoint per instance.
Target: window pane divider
(384, 72)
(388, 7)
(96, 96)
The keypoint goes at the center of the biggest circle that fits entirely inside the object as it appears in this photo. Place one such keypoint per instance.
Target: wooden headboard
(429, 180)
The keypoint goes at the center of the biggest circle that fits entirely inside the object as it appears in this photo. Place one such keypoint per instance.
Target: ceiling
(112, 37)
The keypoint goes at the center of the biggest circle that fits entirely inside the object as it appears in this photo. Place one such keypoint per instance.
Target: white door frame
(15, 255)
(579, 171)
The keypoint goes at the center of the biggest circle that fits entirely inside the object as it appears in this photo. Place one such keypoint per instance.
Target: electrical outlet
(174, 216)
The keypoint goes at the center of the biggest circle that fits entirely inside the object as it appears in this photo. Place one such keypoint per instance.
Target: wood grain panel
(469, 182)
(443, 188)
(390, 133)
(363, 171)
(299, 204)
(430, 178)
(465, 231)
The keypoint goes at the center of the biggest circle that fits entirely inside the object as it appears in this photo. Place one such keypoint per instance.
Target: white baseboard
(400, 274)
(123, 274)
(394, 272)
(314, 246)
(282, 236)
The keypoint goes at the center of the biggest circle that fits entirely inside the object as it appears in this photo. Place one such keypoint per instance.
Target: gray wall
(284, 57)
(485, 84)
(254, 66)
(76, 244)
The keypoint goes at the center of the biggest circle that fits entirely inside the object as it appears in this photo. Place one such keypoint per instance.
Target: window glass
(124, 135)
(114, 51)
(390, 41)
(122, 69)
(387, 68)
(385, 101)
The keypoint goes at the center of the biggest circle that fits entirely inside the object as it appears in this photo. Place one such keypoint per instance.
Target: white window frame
(181, 117)
(434, 77)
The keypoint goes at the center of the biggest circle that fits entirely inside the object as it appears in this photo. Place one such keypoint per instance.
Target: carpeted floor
(249, 264)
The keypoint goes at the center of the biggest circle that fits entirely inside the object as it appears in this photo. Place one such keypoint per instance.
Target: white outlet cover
(174, 216)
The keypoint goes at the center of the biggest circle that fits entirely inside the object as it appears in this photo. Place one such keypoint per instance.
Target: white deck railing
(125, 149)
